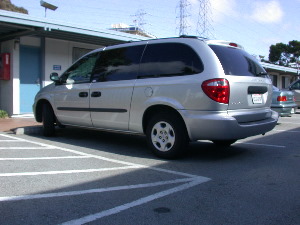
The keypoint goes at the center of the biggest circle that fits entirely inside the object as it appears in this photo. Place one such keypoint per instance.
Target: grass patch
(3, 114)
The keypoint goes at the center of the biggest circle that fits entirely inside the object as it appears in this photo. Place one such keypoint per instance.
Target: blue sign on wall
(56, 67)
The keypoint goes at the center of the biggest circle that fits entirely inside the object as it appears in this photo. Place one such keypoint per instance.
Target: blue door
(30, 76)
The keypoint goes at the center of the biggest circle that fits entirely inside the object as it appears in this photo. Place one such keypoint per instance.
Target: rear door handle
(96, 94)
(83, 94)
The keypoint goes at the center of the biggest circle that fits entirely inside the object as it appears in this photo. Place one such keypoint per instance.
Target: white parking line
(280, 122)
(104, 158)
(24, 148)
(65, 171)
(290, 131)
(189, 180)
(249, 143)
(99, 190)
(72, 151)
(141, 201)
(45, 158)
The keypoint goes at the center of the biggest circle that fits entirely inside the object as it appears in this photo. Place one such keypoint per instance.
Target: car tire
(167, 136)
(48, 121)
(224, 143)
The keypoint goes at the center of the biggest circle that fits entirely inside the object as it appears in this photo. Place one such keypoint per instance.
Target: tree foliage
(284, 54)
(8, 6)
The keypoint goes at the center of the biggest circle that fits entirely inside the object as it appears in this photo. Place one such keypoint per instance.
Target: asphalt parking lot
(92, 177)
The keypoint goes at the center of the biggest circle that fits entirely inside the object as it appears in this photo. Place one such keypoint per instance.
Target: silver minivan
(173, 90)
(295, 88)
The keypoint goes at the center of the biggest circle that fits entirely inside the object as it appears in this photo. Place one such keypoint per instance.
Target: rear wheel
(166, 135)
(48, 121)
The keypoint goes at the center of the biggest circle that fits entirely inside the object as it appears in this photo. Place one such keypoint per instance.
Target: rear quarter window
(169, 59)
(237, 62)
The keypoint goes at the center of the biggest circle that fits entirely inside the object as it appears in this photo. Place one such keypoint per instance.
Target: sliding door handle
(96, 94)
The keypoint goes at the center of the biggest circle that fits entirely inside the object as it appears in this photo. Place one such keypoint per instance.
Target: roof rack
(188, 36)
(193, 36)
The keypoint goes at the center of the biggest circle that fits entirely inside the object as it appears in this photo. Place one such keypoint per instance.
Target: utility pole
(183, 16)
(204, 25)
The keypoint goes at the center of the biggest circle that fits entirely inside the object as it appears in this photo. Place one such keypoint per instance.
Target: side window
(169, 59)
(81, 71)
(118, 64)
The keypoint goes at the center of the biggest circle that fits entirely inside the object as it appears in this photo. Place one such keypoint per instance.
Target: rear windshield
(237, 62)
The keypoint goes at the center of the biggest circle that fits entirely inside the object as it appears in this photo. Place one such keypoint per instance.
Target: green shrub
(3, 114)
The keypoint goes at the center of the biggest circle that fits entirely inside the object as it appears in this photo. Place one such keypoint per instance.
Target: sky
(255, 24)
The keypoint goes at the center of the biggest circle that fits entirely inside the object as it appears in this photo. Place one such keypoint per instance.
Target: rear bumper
(285, 110)
(222, 126)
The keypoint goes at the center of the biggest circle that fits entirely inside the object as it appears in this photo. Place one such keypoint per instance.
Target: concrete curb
(28, 130)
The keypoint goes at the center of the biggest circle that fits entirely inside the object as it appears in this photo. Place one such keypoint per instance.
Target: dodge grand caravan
(172, 90)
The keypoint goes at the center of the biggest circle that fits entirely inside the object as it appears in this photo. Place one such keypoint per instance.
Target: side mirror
(54, 77)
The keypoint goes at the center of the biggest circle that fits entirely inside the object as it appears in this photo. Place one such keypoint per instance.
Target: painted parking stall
(47, 175)
(90, 177)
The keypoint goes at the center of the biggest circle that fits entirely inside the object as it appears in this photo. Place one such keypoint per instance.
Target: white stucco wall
(57, 52)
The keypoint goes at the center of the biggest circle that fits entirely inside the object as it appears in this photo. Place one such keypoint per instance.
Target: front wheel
(167, 136)
(48, 121)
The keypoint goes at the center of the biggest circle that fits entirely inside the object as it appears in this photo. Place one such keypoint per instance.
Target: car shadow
(203, 158)
(134, 145)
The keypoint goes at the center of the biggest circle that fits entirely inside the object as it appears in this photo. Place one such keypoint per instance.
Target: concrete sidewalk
(22, 124)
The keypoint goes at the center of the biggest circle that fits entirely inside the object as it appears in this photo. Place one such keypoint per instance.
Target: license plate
(257, 99)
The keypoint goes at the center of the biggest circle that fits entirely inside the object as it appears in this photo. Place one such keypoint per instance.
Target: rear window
(237, 62)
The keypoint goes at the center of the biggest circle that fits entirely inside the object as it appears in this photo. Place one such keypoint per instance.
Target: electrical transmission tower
(204, 25)
(183, 16)
(139, 19)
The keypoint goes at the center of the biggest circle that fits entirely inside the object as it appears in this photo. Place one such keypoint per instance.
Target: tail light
(281, 99)
(217, 89)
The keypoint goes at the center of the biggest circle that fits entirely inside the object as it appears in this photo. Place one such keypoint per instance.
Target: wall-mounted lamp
(16, 43)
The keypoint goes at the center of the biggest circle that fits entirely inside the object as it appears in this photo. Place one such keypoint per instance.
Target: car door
(71, 95)
(112, 87)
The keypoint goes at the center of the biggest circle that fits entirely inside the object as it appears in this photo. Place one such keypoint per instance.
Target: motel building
(32, 48)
